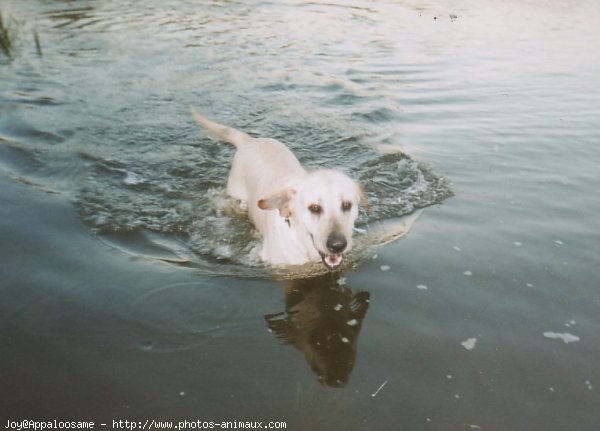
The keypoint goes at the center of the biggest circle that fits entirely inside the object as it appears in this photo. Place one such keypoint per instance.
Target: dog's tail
(219, 131)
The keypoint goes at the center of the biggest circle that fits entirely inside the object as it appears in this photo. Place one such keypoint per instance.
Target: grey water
(129, 283)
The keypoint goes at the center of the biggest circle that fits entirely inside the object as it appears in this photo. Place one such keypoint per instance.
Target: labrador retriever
(302, 216)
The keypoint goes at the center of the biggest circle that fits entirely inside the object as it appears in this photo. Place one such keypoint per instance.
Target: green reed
(6, 44)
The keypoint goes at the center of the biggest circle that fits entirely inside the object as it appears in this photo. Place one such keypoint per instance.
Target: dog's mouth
(332, 261)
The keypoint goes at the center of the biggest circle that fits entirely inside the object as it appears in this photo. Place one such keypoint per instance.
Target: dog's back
(261, 166)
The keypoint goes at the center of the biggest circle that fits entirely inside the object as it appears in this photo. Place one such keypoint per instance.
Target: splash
(180, 204)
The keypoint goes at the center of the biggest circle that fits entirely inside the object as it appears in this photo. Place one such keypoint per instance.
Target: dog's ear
(280, 200)
(363, 198)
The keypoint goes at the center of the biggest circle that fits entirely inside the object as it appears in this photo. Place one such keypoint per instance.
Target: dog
(302, 216)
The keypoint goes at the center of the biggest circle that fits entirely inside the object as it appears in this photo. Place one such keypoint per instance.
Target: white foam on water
(469, 344)
(132, 179)
(565, 336)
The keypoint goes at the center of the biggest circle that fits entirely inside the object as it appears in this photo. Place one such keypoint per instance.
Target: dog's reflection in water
(322, 318)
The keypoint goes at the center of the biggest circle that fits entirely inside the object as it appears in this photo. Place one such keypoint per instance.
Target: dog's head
(323, 208)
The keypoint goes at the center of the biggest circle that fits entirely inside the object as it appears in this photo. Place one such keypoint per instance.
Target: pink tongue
(333, 259)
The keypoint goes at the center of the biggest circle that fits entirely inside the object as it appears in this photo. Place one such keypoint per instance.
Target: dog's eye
(315, 209)
(346, 206)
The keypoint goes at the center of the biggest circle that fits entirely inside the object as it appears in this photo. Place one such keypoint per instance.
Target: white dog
(302, 216)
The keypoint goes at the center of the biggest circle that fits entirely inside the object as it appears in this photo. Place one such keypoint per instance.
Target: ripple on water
(210, 312)
(163, 196)
(147, 180)
(184, 200)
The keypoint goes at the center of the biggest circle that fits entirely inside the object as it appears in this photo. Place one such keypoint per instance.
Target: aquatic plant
(6, 45)
(7, 38)
(38, 45)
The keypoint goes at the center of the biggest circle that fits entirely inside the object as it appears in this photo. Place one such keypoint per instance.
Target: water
(129, 283)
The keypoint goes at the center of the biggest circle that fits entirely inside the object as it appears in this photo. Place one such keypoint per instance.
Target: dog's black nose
(336, 243)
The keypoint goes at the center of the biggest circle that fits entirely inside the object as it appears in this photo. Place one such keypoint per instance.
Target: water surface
(129, 283)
